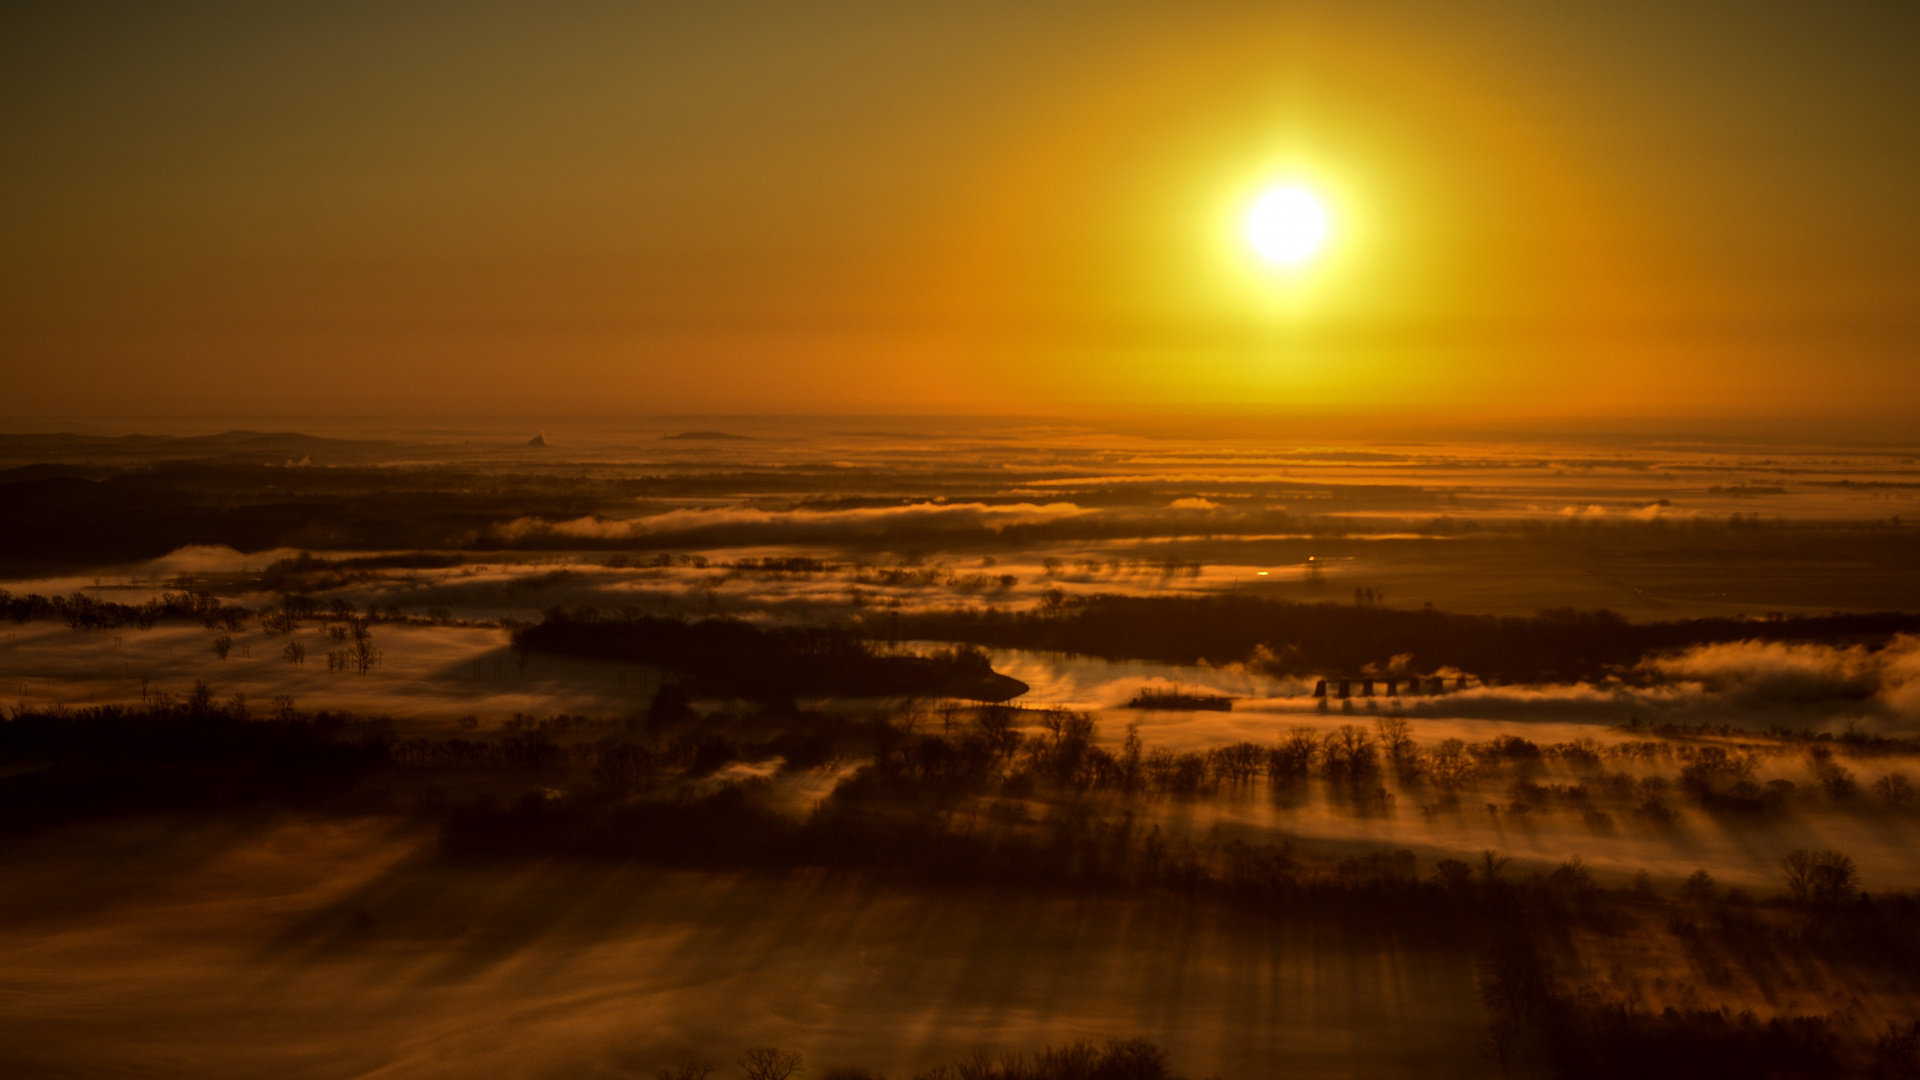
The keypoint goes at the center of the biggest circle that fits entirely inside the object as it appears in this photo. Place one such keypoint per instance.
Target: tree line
(731, 658)
(1327, 638)
(169, 754)
(82, 612)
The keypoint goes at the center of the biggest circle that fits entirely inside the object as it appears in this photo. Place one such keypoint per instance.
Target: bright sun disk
(1287, 225)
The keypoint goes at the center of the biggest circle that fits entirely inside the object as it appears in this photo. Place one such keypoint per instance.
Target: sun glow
(1287, 226)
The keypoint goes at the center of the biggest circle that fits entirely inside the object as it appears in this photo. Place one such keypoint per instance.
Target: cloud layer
(1737, 682)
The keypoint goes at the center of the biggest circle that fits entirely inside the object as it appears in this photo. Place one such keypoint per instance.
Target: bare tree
(362, 652)
(1450, 765)
(1698, 887)
(1130, 759)
(1820, 877)
(1490, 867)
(1894, 789)
(995, 725)
(222, 645)
(1453, 874)
(283, 618)
(295, 653)
(1349, 750)
(769, 1063)
(1396, 736)
(1294, 756)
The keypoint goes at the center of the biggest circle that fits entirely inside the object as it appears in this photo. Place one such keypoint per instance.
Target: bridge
(1414, 686)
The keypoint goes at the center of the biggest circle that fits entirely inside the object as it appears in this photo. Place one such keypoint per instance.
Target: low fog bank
(1752, 684)
(1865, 676)
(1655, 532)
(1747, 684)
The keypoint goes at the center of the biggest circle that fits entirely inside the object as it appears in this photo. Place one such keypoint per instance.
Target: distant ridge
(538, 440)
(225, 439)
(705, 435)
(227, 445)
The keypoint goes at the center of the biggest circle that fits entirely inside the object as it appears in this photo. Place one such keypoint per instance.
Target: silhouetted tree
(1349, 751)
(1490, 867)
(1894, 789)
(1453, 874)
(200, 702)
(1823, 877)
(1395, 738)
(362, 652)
(1294, 757)
(769, 1063)
(996, 727)
(1449, 765)
(1698, 887)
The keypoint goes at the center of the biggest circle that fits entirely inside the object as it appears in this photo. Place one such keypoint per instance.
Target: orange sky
(598, 208)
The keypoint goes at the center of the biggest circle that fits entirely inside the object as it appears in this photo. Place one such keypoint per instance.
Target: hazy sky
(1539, 209)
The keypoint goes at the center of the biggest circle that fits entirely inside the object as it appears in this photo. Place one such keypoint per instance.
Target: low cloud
(1769, 672)
(211, 559)
(1739, 681)
(736, 525)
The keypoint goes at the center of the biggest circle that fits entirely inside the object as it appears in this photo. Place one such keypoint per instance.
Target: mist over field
(425, 756)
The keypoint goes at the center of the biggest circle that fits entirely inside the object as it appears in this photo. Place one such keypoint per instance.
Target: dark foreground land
(1554, 972)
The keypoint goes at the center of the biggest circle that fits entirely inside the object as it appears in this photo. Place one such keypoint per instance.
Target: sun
(1287, 225)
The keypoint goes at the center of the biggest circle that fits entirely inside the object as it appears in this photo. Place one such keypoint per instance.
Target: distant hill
(249, 445)
(46, 471)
